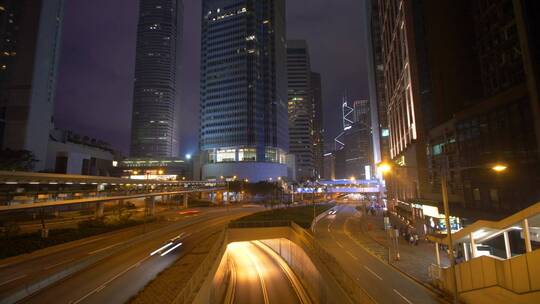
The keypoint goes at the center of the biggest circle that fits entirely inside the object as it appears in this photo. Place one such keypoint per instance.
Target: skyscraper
(30, 33)
(460, 79)
(243, 89)
(155, 117)
(318, 127)
(301, 108)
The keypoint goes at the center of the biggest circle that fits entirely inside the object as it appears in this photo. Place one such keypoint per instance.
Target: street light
(386, 167)
(499, 168)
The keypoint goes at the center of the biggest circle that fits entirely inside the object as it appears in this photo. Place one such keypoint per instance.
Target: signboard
(386, 223)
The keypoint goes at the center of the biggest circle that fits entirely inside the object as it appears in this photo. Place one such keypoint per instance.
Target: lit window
(476, 194)
(247, 154)
(226, 155)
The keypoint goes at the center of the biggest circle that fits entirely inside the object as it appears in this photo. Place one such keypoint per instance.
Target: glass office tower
(154, 125)
(244, 129)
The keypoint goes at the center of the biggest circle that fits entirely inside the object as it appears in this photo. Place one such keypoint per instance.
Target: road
(118, 277)
(259, 277)
(383, 282)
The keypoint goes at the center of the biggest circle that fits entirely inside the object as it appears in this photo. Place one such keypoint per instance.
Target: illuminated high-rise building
(155, 116)
(243, 129)
(301, 108)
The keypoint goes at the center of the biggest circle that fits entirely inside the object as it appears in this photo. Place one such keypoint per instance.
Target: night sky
(95, 84)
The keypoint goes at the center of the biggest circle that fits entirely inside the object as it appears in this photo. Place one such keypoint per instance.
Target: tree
(17, 160)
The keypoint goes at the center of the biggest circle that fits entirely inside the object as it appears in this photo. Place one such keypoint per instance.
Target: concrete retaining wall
(319, 272)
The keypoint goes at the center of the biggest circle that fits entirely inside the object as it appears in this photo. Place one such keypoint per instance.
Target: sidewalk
(414, 260)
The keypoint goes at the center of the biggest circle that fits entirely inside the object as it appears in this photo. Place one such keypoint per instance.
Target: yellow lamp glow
(499, 168)
(384, 168)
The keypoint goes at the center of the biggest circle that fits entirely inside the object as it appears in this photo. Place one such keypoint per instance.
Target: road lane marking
(297, 286)
(102, 249)
(110, 280)
(100, 288)
(339, 244)
(58, 264)
(403, 297)
(229, 296)
(13, 279)
(373, 272)
(352, 255)
(255, 263)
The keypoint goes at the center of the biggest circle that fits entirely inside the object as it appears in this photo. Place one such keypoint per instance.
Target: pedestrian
(416, 239)
(411, 239)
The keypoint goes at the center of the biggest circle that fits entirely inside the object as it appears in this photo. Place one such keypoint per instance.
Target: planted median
(301, 215)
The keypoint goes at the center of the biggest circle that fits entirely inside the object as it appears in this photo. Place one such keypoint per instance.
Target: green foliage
(16, 160)
(302, 215)
(26, 243)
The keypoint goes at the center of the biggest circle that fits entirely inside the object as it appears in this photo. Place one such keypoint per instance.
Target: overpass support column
(507, 245)
(150, 206)
(185, 198)
(527, 235)
(100, 207)
(473, 246)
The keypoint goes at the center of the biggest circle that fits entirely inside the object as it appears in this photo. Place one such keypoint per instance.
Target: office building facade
(318, 126)
(301, 108)
(30, 39)
(243, 112)
(156, 93)
(460, 79)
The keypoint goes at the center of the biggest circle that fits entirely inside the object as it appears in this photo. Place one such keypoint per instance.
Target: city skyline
(108, 67)
(282, 151)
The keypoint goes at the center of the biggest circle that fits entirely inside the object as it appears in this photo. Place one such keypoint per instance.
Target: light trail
(171, 249)
(163, 247)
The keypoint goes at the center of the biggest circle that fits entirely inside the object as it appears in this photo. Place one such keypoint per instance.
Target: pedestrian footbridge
(344, 186)
(496, 259)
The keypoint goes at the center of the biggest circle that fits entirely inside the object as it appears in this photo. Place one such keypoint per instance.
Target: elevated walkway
(512, 274)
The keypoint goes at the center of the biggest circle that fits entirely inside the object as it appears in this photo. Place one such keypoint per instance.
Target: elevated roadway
(115, 278)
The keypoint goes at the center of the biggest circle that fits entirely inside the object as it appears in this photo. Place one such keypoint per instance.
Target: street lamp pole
(444, 190)
(385, 167)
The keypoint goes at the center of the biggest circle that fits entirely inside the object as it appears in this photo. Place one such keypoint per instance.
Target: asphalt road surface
(383, 282)
(117, 278)
(259, 278)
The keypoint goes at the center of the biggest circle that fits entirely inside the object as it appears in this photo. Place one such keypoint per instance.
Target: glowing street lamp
(499, 168)
(384, 168)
